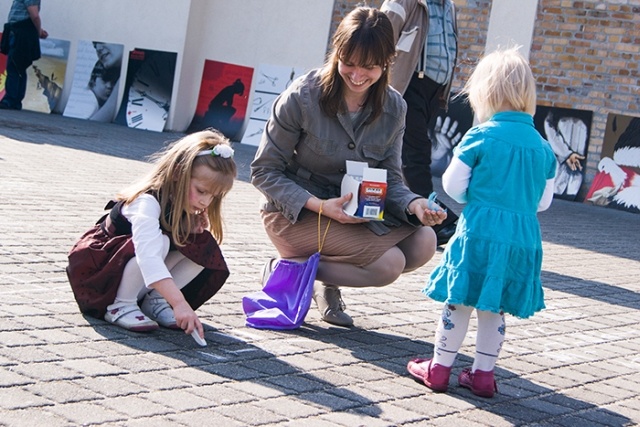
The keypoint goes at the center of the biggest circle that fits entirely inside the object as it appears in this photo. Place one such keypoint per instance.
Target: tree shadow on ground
(592, 228)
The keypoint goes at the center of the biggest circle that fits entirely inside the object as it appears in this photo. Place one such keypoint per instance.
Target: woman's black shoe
(445, 233)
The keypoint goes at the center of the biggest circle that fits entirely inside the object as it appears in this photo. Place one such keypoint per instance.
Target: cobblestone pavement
(575, 363)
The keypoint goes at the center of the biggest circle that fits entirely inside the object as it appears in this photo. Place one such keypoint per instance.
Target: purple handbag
(285, 299)
(286, 296)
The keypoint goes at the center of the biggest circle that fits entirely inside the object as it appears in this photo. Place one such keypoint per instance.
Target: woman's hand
(332, 208)
(428, 217)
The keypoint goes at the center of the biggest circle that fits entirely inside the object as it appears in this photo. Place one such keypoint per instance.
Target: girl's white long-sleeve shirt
(148, 239)
(455, 182)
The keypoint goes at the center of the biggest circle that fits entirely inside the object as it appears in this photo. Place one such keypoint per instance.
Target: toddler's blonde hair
(502, 81)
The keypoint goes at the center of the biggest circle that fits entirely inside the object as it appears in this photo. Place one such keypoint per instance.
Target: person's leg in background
(422, 103)
(416, 146)
(16, 82)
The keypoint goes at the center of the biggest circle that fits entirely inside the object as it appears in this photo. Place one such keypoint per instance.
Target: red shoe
(481, 383)
(435, 377)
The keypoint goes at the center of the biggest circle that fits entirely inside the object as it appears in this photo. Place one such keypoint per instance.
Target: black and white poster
(147, 95)
(567, 130)
(94, 91)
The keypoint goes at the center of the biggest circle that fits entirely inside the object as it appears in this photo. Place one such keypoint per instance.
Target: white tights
(452, 328)
(132, 287)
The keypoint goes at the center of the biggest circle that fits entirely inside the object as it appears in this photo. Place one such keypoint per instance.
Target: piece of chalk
(198, 339)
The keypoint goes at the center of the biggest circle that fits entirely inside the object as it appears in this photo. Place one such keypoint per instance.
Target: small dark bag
(4, 43)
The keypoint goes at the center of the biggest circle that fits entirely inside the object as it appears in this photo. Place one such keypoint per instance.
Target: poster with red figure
(3, 72)
(223, 98)
(148, 87)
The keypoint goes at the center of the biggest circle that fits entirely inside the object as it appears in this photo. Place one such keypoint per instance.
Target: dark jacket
(26, 48)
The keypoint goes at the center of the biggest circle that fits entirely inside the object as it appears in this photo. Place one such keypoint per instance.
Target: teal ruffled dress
(494, 259)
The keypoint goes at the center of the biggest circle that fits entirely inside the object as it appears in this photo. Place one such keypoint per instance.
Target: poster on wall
(94, 90)
(223, 98)
(446, 129)
(567, 130)
(271, 80)
(3, 72)
(45, 77)
(147, 93)
(617, 181)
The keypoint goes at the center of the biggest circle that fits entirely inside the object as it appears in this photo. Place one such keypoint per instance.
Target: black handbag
(4, 43)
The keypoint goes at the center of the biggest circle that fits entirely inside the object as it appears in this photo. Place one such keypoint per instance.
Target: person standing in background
(21, 45)
(426, 39)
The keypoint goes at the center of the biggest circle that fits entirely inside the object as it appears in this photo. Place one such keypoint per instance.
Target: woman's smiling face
(358, 78)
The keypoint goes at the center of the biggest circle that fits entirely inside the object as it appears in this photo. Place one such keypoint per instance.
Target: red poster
(3, 72)
(617, 182)
(223, 98)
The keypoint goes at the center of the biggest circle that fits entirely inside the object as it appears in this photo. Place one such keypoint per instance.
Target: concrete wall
(507, 28)
(243, 32)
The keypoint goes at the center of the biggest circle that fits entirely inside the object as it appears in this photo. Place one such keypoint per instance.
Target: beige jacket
(410, 20)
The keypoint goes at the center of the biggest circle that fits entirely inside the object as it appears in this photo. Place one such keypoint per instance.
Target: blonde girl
(154, 258)
(503, 170)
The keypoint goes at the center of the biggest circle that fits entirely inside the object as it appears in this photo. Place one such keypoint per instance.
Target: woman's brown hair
(365, 35)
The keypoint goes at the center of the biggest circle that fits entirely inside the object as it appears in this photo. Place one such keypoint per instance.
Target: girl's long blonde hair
(169, 181)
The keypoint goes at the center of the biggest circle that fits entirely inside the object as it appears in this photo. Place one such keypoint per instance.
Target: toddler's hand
(201, 222)
(187, 319)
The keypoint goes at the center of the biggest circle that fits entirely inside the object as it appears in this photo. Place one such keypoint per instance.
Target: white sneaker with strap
(129, 317)
(158, 309)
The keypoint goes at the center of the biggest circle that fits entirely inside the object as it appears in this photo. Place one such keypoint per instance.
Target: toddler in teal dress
(503, 170)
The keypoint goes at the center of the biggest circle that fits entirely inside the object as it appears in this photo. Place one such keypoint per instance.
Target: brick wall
(585, 55)
(473, 21)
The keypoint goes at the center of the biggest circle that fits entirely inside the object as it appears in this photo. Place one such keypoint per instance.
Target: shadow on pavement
(598, 229)
(591, 289)
(228, 358)
(103, 138)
